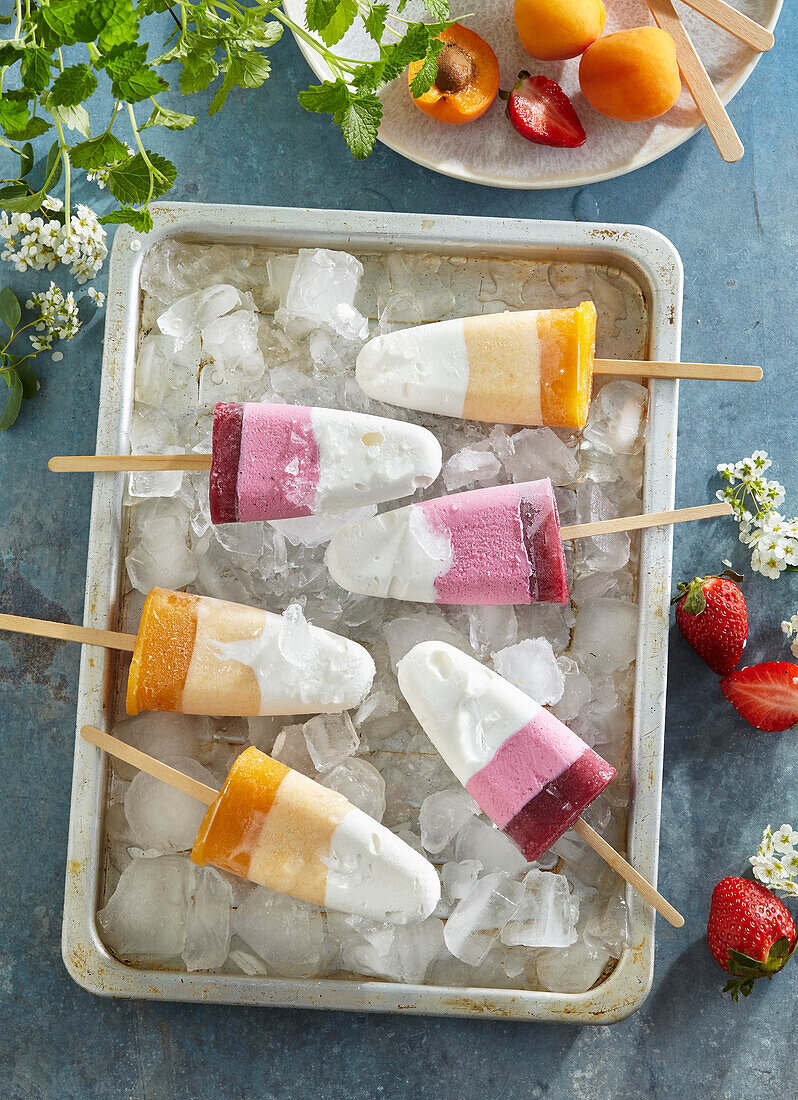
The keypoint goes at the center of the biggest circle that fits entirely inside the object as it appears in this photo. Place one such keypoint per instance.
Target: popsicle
(528, 772)
(499, 545)
(529, 367)
(198, 655)
(274, 826)
(273, 461)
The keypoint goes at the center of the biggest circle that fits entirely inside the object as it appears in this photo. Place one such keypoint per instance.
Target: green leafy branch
(15, 370)
(221, 41)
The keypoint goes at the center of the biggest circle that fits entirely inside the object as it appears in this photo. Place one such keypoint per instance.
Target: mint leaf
(10, 310)
(73, 86)
(329, 96)
(9, 54)
(125, 60)
(250, 70)
(375, 21)
(331, 19)
(98, 152)
(138, 86)
(121, 23)
(11, 411)
(34, 128)
(141, 220)
(438, 8)
(30, 383)
(25, 159)
(74, 118)
(25, 204)
(131, 181)
(172, 120)
(199, 69)
(411, 47)
(318, 13)
(55, 22)
(35, 69)
(13, 114)
(425, 77)
(359, 122)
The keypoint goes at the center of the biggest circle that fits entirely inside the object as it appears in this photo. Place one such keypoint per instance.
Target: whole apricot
(552, 30)
(631, 75)
(467, 79)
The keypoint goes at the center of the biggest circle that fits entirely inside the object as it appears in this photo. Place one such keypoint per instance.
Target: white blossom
(754, 500)
(776, 862)
(36, 244)
(97, 297)
(58, 317)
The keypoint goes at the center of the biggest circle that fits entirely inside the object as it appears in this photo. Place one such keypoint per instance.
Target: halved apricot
(552, 30)
(467, 81)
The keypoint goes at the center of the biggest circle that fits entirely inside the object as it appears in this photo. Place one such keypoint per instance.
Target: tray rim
(657, 267)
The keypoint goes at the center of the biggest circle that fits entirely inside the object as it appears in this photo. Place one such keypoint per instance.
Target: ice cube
(574, 969)
(291, 749)
(361, 783)
(153, 433)
(459, 878)
(162, 817)
(532, 666)
(478, 918)
(547, 620)
(576, 690)
(166, 373)
(603, 553)
(538, 453)
(470, 466)
(400, 953)
(146, 914)
(483, 842)
(119, 836)
(287, 934)
(408, 630)
(207, 920)
(321, 294)
(330, 739)
(605, 635)
(491, 628)
(319, 529)
(280, 269)
(159, 553)
(442, 816)
(161, 735)
(233, 341)
(546, 915)
(606, 927)
(189, 315)
(617, 420)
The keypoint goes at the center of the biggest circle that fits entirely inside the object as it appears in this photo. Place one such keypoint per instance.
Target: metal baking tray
(654, 264)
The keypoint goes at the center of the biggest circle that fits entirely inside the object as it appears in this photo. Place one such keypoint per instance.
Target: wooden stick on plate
(695, 77)
(724, 15)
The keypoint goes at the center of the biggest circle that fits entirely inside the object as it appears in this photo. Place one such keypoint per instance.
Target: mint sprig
(222, 44)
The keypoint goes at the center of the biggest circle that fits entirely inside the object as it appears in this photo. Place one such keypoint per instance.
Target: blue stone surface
(736, 228)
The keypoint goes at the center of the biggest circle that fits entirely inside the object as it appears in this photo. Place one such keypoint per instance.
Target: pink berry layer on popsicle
(527, 771)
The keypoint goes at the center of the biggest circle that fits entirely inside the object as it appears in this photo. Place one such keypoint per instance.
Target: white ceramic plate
(490, 152)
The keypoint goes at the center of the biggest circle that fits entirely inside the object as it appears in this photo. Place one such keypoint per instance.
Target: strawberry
(766, 695)
(750, 933)
(712, 616)
(542, 113)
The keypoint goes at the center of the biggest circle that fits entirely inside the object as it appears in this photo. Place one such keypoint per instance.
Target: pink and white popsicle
(499, 545)
(282, 461)
(527, 771)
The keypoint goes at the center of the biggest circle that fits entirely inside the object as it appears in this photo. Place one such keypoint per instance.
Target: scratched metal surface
(736, 230)
(652, 263)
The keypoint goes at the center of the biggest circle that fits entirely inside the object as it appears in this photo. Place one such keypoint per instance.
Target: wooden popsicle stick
(86, 635)
(648, 519)
(637, 368)
(72, 464)
(627, 872)
(146, 763)
(724, 15)
(697, 80)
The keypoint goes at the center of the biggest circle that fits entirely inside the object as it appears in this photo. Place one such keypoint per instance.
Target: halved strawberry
(766, 695)
(542, 113)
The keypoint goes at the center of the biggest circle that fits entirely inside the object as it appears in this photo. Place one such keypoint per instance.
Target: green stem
(342, 64)
(67, 172)
(153, 170)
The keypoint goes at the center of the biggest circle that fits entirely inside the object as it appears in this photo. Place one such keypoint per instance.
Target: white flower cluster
(36, 244)
(754, 499)
(776, 863)
(59, 317)
(790, 628)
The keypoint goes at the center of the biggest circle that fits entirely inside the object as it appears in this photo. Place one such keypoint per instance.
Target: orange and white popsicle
(531, 367)
(276, 827)
(198, 655)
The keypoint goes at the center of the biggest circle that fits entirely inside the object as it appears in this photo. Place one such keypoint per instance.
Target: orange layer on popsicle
(567, 348)
(164, 647)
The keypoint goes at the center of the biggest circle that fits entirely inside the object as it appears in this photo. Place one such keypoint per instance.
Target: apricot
(552, 30)
(467, 80)
(631, 75)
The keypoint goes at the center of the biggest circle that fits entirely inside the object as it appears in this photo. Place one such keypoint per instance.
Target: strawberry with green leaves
(712, 616)
(750, 933)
